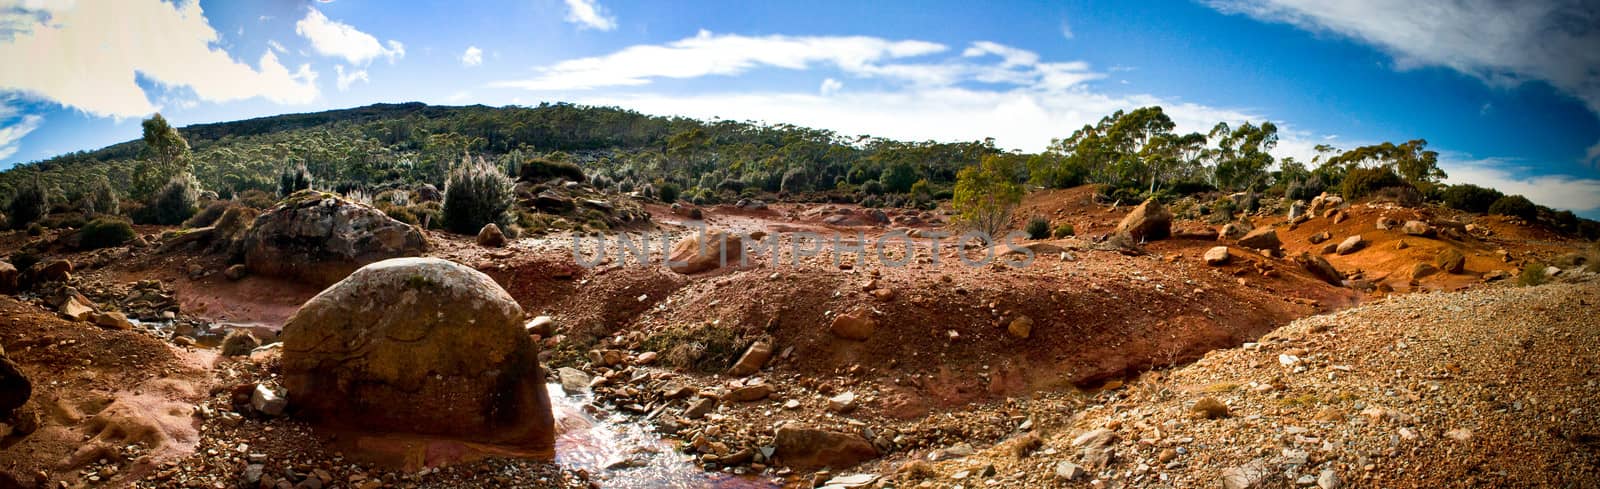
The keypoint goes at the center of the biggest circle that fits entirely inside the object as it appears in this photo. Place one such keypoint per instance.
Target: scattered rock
(803, 447)
(700, 252)
(854, 326)
(1149, 221)
(842, 403)
(236, 272)
(748, 393)
(321, 238)
(53, 271)
(266, 401)
(1450, 261)
(1350, 245)
(112, 320)
(700, 408)
(10, 278)
(491, 237)
(1320, 237)
(1249, 476)
(1233, 231)
(1418, 228)
(1096, 447)
(544, 326)
(239, 343)
(1421, 270)
(1328, 479)
(1218, 256)
(76, 307)
(1210, 408)
(1070, 471)
(753, 359)
(1020, 327)
(1261, 239)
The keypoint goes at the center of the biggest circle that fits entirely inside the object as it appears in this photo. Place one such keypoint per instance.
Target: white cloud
(830, 86)
(275, 46)
(1010, 55)
(1066, 29)
(173, 45)
(344, 80)
(1580, 195)
(458, 97)
(333, 38)
(14, 126)
(472, 57)
(588, 14)
(1503, 43)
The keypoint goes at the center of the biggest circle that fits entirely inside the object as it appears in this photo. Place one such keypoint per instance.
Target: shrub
(294, 180)
(1064, 230)
(1222, 210)
(256, 199)
(985, 195)
(100, 199)
(176, 201)
(669, 192)
(28, 205)
(476, 193)
(795, 180)
(872, 187)
(921, 191)
(1515, 206)
(541, 169)
(1470, 198)
(1362, 182)
(898, 177)
(1532, 274)
(104, 232)
(209, 215)
(35, 229)
(1407, 196)
(1038, 228)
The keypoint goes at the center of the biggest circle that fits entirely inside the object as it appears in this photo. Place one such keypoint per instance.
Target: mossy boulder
(319, 238)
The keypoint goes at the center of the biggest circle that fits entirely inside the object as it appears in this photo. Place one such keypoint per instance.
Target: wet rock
(112, 320)
(239, 343)
(1021, 327)
(491, 237)
(1350, 245)
(321, 238)
(1218, 256)
(853, 326)
(573, 381)
(753, 359)
(15, 388)
(1149, 221)
(1450, 261)
(699, 252)
(1319, 267)
(1261, 239)
(804, 447)
(1418, 228)
(265, 401)
(419, 345)
(1209, 408)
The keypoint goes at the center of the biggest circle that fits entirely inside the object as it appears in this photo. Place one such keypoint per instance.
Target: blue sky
(1508, 93)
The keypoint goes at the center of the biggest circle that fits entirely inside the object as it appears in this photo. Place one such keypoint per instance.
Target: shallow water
(620, 452)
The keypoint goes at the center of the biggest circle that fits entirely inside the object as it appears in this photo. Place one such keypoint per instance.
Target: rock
(553, 203)
(1233, 231)
(1020, 327)
(1261, 239)
(573, 381)
(1218, 255)
(239, 343)
(10, 278)
(1330, 249)
(266, 401)
(1422, 269)
(699, 252)
(1149, 221)
(53, 271)
(1070, 471)
(1350, 245)
(15, 388)
(1320, 237)
(1401, 244)
(802, 447)
(1450, 261)
(1095, 447)
(1319, 268)
(851, 481)
(76, 307)
(112, 320)
(1385, 223)
(544, 326)
(423, 346)
(700, 408)
(645, 358)
(1328, 479)
(748, 393)
(1209, 408)
(1296, 210)
(236, 272)
(1418, 228)
(320, 238)
(842, 403)
(753, 359)
(1248, 476)
(854, 326)
(1166, 455)
(491, 237)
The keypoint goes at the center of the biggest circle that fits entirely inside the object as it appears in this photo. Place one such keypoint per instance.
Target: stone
(553, 203)
(15, 388)
(320, 238)
(1418, 228)
(1328, 479)
(1320, 237)
(701, 252)
(1149, 221)
(851, 481)
(1021, 327)
(266, 401)
(1233, 231)
(753, 359)
(1248, 476)
(1218, 255)
(53, 271)
(700, 408)
(748, 393)
(112, 320)
(1095, 447)
(645, 358)
(803, 447)
(854, 326)
(1319, 267)
(76, 307)
(1401, 244)
(10, 278)
(1450, 261)
(1350, 245)
(239, 343)
(842, 403)
(573, 381)
(491, 237)
(1385, 223)
(1296, 210)
(1209, 408)
(1070, 471)
(1422, 269)
(1261, 239)
(422, 346)
(236, 272)
(544, 326)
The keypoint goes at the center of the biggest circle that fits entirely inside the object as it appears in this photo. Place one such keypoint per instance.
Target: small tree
(294, 179)
(1038, 228)
(986, 194)
(476, 193)
(1516, 206)
(29, 204)
(101, 198)
(669, 192)
(176, 202)
(166, 154)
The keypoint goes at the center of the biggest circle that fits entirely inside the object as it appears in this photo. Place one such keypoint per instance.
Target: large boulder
(320, 238)
(421, 346)
(1217, 256)
(1320, 268)
(1149, 221)
(803, 447)
(10, 278)
(14, 387)
(699, 252)
(1265, 238)
(1450, 261)
(491, 237)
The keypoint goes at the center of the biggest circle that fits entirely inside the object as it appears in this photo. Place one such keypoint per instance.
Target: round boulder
(491, 237)
(1149, 221)
(320, 238)
(421, 346)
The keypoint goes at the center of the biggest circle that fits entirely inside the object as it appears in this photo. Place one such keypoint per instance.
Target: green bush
(1532, 274)
(28, 205)
(1470, 198)
(209, 215)
(294, 180)
(1064, 230)
(176, 202)
(669, 192)
(1038, 228)
(541, 170)
(872, 187)
(100, 199)
(1362, 182)
(1515, 206)
(104, 232)
(256, 199)
(477, 193)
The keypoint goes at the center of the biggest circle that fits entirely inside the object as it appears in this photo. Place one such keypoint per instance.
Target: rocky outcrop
(320, 238)
(811, 448)
(1149, 221)
(1450, 261)
(700, 252)
(1261, 239)
(14, 387)
(422, 346)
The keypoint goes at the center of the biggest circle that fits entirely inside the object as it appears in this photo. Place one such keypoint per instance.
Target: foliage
(1361, 182)
(1410, 161)
(209, 215)
(166, 155)
(175, 202)
(1515, 206)
(1470, 198)
(28, 205)
(1038, 228)
(104, 232)
(476, 194)
(872, 187)
(100, 198)
(255, 199)
(1532, 274)
(1405, 195)
(542, 169)
(1064, 229)
(921, 191)
(898, 177)
(986, 194)
(669, 192)
(294, 179)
